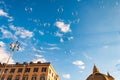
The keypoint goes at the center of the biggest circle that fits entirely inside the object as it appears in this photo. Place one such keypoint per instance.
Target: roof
(25, 63)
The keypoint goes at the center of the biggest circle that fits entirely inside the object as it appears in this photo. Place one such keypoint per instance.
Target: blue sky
(72, 34)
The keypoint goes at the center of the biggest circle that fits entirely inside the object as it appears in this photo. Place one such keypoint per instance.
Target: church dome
(96, 75)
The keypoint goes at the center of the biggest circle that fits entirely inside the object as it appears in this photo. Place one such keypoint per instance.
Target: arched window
(33, 78)
(42, 78)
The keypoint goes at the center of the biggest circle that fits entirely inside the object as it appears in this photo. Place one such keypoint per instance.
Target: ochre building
(96, 75)
(28, 71)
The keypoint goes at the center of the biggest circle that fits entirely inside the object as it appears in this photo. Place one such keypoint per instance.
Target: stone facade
(28, 71)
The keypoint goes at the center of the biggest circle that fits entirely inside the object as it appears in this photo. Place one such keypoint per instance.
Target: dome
(96, 75)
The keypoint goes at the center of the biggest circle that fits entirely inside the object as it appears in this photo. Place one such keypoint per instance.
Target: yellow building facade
(28, 71)
(96, 75)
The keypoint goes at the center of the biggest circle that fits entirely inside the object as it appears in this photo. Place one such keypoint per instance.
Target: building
(28, 71)
(96, 75)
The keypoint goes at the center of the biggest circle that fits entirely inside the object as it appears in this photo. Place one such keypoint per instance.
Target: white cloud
(70, 38)
(75, 13)
(76, 20)
(58, 34)
(80, 64)
(2, 44)
(2, 13)
(13, 27)
(82, 67)
(28, 9)
(37, 21)
(52, 44)
(37, 50)
(6, 33)
(41, 33)
(66, 76)
(61, 40)
(23, 33)
(39, 58)
(69, 52)
(46, 24)
(21, 49)
(22, 46)
(53, 48)
(5, 14)
(86, 56)
(23, 43)
(4, 54)
(3, 4)
(63, 27)
(60, 9)
(10, 19)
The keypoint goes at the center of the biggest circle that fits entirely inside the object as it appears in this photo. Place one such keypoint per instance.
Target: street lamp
(13, 47)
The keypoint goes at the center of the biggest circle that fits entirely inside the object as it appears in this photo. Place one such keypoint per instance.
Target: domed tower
(96, 75)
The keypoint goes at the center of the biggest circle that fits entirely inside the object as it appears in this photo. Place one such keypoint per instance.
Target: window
(5, 71)
(52, 74)
(17, 78)
(9, 78)
(35, 70)
(44, 69)
(12, 70)
(55, 78)
(27, 70)
(33, 78)
(50, 71)
(25, 78)
(42, 78)
(20, 70)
